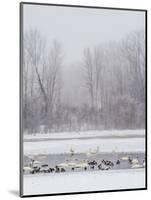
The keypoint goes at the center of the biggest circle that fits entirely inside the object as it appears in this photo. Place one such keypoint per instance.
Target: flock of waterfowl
(134, 162)
(35, 166)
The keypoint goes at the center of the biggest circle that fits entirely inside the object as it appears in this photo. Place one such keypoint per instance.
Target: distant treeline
(113, 76)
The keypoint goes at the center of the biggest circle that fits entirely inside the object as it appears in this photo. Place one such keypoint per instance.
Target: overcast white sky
(77, 28)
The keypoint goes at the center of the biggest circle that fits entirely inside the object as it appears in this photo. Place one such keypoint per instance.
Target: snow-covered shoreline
(81, 143)
(85, 181)
(87, 134)
(83, 146)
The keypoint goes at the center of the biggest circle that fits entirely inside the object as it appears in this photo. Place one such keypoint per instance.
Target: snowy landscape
(118, 141)
(133, 145)
(83, 100)
(83, 182)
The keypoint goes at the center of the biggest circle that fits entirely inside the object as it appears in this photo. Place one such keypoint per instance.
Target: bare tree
(54, 78)
(45, 74)
(133, 48)
(35, 47)
(89, 74)
(114, 79)
(92, 75)
(25, 87)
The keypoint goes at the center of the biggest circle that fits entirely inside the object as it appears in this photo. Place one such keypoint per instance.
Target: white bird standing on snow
(72, 151)
(93, 152)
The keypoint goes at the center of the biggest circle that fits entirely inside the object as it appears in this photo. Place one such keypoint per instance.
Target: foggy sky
(76, 29)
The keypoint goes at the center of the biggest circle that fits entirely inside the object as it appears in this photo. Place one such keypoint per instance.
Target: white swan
(82, 165)
(27, 169)
(63, 165)
(71, 164)
(135, 161)
(93, 152)
(72, 150)
(135, 166)
(36, 162)
(74, 165)
(125, 158)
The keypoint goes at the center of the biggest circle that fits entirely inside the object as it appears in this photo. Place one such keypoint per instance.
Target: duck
(118, 162)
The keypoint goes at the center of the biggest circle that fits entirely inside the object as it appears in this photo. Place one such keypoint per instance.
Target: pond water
(54, 159)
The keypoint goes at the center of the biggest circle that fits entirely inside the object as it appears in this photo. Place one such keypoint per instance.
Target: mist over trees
(42, 82)
(112, 75)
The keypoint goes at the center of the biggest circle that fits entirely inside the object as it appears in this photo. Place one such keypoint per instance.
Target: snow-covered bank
(103, 133)
(85, 181)
(83, 146)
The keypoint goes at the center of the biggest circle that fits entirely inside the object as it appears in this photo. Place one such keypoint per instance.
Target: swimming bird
(125, 158)
(135, 161)
(135, 166)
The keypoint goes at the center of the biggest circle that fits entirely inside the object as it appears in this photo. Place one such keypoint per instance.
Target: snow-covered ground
(67, 135)
(82, 142)
(84, 181)
(85, 145)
